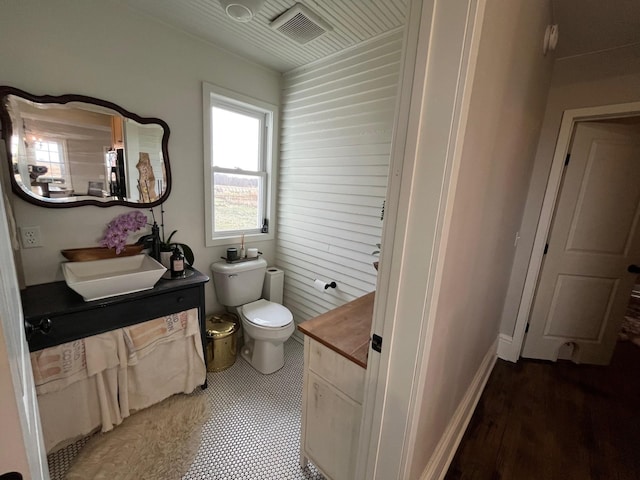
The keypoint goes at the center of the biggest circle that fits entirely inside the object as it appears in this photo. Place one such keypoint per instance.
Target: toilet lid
(267, 314)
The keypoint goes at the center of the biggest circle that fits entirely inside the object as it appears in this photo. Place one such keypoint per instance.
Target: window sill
(236, 239)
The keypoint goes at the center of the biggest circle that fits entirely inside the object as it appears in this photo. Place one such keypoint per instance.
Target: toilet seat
(266, 314)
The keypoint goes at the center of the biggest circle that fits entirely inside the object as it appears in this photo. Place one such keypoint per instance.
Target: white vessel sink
(98, 279)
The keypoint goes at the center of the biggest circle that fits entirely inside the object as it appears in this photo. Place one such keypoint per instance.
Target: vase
(99, 253)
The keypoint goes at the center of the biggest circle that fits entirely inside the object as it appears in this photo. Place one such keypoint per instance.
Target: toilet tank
(238, 283)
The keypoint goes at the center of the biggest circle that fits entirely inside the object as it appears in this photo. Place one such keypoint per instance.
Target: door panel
(581, 320)
(584, 287)
(24, 437)
(332, 429)
(605, 216)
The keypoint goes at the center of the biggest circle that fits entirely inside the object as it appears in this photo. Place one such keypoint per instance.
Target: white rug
(156, 443)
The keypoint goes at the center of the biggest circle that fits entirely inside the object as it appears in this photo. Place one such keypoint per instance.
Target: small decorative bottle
(177, 263)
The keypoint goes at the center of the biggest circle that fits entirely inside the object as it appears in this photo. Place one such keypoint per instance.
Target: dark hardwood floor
(541, 420)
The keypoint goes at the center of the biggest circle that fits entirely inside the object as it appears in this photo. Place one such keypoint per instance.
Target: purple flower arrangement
(120, 227)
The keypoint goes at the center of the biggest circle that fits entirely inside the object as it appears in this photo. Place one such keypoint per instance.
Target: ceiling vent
(300, 24)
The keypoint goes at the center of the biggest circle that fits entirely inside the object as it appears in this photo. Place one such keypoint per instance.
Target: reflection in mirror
(75, 150)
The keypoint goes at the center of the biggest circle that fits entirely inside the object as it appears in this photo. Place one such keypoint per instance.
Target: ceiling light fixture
(241, 10)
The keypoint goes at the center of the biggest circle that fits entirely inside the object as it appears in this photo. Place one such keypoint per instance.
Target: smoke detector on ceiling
(300, 24)
(241, 10)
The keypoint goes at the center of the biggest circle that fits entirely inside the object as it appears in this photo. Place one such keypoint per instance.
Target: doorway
(591, 238)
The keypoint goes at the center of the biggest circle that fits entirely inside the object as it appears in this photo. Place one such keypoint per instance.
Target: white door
(21, 439)
(584, 286)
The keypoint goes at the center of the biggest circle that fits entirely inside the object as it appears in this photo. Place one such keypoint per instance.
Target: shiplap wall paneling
(337, 121)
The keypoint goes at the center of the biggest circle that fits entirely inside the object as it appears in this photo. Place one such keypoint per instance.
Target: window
(239, 161)
(51, 154)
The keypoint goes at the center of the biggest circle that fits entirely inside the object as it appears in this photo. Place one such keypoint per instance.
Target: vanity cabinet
(96, 362)
(54, 314)
(332, 409)
(335, 359)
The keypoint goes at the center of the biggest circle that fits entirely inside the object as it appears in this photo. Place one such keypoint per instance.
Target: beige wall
(105, 50)
(604, 78)
(507, 104)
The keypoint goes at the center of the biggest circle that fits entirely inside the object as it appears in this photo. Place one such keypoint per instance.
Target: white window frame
(62, 154)
(213, 95)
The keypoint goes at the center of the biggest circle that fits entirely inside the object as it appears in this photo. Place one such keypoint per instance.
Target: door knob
(633, 269)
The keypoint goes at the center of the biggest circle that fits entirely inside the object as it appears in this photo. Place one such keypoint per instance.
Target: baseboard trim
(505, 343)
(450, 440)
(506, 348)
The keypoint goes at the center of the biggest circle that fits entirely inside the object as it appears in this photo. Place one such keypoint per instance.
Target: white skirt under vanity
(96, 362)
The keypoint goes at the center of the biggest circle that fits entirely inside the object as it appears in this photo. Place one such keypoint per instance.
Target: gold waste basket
(221, 341)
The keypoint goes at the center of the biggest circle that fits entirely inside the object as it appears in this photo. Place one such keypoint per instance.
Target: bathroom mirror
(74, 150)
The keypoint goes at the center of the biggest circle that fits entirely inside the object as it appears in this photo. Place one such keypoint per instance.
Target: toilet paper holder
(323, 286)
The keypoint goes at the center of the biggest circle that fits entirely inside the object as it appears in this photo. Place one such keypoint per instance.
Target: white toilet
(266, 325)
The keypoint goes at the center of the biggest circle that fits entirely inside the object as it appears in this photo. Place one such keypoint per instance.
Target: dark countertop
(345, 330)
(56, 297)
(54, 314)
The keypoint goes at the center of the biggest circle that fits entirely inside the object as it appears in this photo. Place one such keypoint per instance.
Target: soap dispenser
(177, 263)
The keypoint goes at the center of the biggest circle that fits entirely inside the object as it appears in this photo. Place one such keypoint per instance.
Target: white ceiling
(353, 21)
(594, 25)
(585, 26)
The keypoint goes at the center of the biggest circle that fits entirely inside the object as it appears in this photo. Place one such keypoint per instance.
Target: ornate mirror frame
(68, 202)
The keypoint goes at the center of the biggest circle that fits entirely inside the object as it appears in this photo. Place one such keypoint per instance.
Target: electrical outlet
(31, 237)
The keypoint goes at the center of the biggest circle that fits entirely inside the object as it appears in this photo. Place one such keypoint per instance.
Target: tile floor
(254, 429)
